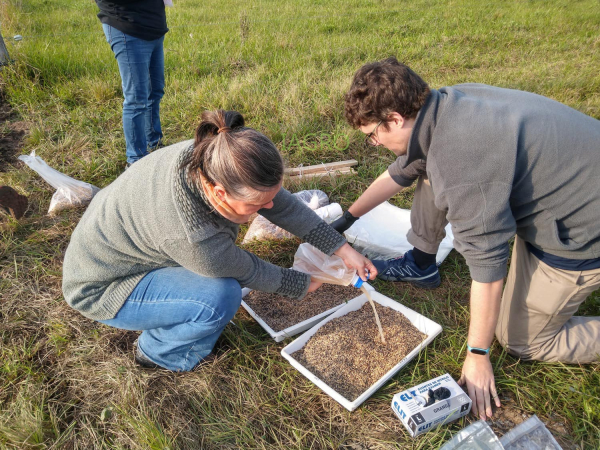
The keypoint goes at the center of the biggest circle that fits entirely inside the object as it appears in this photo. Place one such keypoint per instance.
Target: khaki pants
(537, 314)
(536, 319)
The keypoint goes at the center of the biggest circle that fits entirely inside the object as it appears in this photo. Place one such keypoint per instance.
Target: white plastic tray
(422, 323)
(289, 331)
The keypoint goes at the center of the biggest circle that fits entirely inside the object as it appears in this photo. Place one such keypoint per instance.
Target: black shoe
(405, 269)
(142, 360)
(211, 358)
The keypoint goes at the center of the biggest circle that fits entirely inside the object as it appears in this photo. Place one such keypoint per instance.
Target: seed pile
(282, 312)
(347, 353)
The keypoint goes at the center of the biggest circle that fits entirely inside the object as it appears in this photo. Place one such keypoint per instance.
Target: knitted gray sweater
(152, 217)
(503, 162)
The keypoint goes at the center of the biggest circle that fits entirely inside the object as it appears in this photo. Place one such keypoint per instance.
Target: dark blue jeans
(142, 68)
(182, 315)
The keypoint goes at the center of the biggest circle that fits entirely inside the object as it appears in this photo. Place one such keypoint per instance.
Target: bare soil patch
(347, 352)
(282, 312)
(510, 415)
(12, 134)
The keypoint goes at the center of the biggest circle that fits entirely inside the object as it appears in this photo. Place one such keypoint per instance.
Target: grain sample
(347, 352)
(281, 312)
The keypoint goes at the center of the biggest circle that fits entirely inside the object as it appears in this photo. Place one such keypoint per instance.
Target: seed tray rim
(293, 330)
(422, 323)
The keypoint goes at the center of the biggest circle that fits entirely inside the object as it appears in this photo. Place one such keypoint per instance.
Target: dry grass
(68, 382)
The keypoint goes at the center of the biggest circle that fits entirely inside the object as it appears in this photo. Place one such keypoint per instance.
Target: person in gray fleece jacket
(496, 164)
(155, 250)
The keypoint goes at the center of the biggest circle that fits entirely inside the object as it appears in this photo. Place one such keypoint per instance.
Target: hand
(314, 285)
(356, 261)
(478, 375)
(344, 222)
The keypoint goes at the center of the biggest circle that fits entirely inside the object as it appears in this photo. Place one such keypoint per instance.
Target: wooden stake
(329, 174)
(317, 168)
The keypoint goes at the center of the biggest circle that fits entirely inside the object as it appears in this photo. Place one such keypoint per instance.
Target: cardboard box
(410, 408)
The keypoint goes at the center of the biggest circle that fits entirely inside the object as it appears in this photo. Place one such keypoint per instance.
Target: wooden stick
(332, 173)
(328, 167)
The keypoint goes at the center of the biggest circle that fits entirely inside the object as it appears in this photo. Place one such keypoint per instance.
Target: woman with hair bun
(155, 250)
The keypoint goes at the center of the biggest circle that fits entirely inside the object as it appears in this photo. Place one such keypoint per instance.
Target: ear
(395, 119)
(220, 192)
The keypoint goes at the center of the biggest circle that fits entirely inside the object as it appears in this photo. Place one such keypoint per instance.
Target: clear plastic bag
(262, 229)
(323, 268)
(70, 193)
(530, 435)
(314, 198)
(477, 436)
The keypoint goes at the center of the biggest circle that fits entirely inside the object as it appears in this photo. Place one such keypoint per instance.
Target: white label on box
(409, 405)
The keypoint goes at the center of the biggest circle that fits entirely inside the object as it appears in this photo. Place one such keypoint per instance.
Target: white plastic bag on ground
(381, 234)
(70, 193)
(262, 229)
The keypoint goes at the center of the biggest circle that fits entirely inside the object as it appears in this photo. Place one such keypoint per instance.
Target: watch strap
(478, 350)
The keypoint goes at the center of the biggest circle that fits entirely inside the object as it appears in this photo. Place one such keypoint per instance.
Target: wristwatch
(478, 351)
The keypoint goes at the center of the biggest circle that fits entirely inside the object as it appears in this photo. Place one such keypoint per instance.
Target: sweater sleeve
(295, 216)
(218, 256)
(406, 176)
(482, 223)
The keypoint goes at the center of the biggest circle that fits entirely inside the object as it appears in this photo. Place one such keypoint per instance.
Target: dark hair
(381, 88)
(237, 157)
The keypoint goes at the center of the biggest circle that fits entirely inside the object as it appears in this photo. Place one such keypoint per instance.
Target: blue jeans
(182, 315)
(142, 68)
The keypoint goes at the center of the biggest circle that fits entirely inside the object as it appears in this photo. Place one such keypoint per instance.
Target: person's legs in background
(537, 321)
(182, 315)
(135, 58)
(154, 133)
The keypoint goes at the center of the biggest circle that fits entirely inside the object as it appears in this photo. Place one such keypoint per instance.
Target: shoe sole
(420, 284)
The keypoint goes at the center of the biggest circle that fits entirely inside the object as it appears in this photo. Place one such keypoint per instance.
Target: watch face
(478, 351)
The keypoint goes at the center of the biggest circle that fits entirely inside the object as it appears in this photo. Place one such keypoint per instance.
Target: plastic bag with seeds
(530, 435)
(477, 436)
(70, 193)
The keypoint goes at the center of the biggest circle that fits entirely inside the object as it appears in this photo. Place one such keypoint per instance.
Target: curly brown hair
(383, 87)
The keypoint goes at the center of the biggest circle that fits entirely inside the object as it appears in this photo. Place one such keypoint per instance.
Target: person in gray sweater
(495, 163)
(155, 250)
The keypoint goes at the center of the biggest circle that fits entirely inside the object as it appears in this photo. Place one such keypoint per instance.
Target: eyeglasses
(371, 138)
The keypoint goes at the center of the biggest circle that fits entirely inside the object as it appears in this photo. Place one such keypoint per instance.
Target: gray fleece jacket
(152, 217)
(503, 162)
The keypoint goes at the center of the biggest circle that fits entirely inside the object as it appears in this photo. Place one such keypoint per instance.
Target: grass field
(68, 382)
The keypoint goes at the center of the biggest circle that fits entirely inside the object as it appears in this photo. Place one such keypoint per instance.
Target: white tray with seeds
(422, 323)
(292, 330)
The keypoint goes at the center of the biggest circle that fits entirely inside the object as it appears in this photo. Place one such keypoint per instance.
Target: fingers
(480, 399)
(471, 391)
(314, 285)
(488, 402)
(372, 269)
(495, 396)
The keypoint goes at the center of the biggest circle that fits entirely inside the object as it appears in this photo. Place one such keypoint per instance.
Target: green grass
(69, 382)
